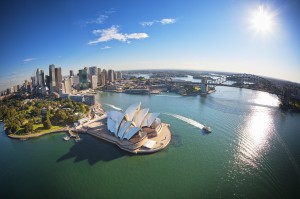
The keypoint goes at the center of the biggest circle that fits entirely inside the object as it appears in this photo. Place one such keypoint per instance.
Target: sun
(262, 20)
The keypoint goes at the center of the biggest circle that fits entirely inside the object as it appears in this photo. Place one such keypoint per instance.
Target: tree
(29, 127)
(47, 123)
(59, 117)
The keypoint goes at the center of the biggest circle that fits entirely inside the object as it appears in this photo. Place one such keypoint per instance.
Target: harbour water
(252, 152)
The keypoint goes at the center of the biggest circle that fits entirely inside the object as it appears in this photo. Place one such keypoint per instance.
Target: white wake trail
(114, 107)
(187, 120)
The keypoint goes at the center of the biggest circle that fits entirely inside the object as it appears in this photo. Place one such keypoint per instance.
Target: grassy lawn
(37, 127)
(40, 128)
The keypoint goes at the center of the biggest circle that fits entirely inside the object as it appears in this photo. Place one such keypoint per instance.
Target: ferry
(207, 129)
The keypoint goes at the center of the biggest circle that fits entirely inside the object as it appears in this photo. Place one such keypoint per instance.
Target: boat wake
(187, 120)
(114, 107)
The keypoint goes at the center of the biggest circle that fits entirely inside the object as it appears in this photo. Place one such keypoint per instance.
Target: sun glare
(262, 21)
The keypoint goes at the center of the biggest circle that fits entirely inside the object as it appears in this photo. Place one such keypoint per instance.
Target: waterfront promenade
(35, 135)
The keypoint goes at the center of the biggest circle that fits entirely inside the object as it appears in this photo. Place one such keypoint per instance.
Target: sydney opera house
(137, 130)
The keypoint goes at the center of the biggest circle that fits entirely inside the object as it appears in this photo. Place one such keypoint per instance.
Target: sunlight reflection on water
(254, 139)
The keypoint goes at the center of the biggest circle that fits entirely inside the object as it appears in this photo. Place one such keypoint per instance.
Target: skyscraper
(104, 76)
(110, 75)
(67, 86)
(48, 81)
(40, 79)
(94, 82)
(93, 71)
(33, 81)
(83, 78)
(71, 73)
(58, 78)
(52, 78)
(99, 76)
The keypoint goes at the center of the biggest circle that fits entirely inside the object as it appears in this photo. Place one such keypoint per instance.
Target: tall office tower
(115, 75)
(119, 75)
(40, 81)
(37, 75)
(93, 71)
(52, 78)
(88, 72)
(83, 76)
(42, 78)
(33, 81)
(100, 80)
(58, 78)
(110, 75)
(67, 85)
(99, 76)
(71, 73)
(74, 81)
(104, 76)
(94, 82)
(48, 81)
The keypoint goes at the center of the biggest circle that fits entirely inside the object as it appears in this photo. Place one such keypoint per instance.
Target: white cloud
(28, 59)
(147, 23)
(136, 36)
(105, 47)
(167, 21)
(112, 33)
(162, 21)
(110, 11)
(99, 20)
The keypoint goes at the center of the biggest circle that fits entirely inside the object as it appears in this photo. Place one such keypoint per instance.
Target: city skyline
(201, 35)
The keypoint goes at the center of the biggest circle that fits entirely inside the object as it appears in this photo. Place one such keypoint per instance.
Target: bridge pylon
(204, 86)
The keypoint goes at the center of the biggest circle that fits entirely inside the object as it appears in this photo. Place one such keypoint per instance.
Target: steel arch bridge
(246, 81)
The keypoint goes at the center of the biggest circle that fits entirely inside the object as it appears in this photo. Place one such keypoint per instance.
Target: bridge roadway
(237, 80)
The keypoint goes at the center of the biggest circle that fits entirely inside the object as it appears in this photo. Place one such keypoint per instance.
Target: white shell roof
(130, 111)
(132, 131)
(127, 124)
(114, 115)
(149, 119)
(139, 116)
(123, 128)
(111, 125)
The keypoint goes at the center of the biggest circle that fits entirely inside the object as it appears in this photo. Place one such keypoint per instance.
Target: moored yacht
(66, 138)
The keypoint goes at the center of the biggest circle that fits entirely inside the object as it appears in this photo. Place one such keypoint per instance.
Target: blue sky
(140, 34)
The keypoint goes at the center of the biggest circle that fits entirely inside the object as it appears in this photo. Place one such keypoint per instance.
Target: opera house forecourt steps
(136, 130)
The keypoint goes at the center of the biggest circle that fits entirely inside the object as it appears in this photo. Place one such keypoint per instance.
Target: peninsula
(136, 130)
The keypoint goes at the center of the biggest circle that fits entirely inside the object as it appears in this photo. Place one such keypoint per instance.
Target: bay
(253, 152)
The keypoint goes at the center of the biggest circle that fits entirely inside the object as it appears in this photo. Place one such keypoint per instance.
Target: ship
(137, 91)
(207, 129)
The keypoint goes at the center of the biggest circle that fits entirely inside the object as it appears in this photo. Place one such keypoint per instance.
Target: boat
(207, 129)
(66, 138)
(77, 139)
